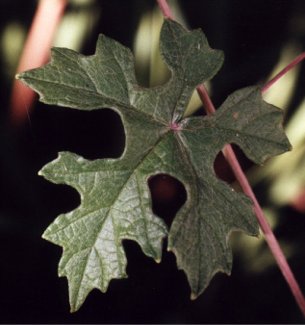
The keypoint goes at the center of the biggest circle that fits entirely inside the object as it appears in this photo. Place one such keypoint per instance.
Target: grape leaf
(115, 198)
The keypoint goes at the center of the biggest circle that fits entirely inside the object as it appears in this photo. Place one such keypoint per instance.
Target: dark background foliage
(252, 34)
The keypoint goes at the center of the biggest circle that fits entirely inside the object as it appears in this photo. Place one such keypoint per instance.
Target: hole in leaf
(223, 169)
(168, 195)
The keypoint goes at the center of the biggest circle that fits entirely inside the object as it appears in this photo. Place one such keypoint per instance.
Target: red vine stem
(166, 10)
(266, 229)
(291, 65)
(244, 183)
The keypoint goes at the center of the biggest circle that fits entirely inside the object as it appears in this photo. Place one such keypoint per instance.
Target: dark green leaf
(115, 198)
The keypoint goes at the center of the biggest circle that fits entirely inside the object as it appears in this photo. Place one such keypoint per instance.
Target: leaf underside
(115, 198)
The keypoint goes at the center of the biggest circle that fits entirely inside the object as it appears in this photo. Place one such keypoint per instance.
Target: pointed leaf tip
(193, 296)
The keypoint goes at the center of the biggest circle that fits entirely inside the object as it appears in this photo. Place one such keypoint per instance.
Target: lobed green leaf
(115, 198)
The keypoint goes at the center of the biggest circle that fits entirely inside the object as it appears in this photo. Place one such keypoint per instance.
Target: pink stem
(206, 100)
(291, 65)
(266, 229)
(164, 7)
(298, 202)
(242, 179)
